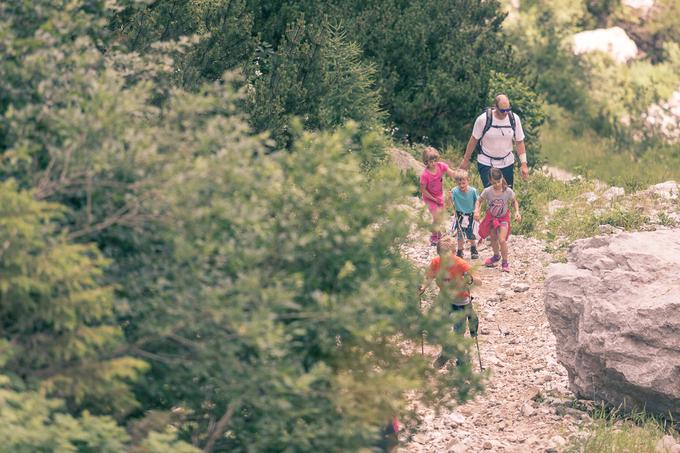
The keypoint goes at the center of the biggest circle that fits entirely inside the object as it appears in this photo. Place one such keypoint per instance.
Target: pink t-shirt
(433, 181)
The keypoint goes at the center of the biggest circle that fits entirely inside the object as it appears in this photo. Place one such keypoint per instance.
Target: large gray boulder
(614, 308)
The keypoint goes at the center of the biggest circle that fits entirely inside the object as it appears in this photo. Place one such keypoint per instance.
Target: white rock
(456, 419)
(609, 229)
(665, 444)
(612, 356)
(665, 116)
(558, 441)
(590, 197)
(527, 410)
(613, 41)
(520, 287)
(555, 206)
(667, 190)
(642, 5)
(613, 192)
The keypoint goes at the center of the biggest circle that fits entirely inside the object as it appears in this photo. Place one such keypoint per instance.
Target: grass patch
(614, 432)
(576, 148)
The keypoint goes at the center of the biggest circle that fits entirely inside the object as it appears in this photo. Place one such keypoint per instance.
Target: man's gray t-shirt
(497, 204)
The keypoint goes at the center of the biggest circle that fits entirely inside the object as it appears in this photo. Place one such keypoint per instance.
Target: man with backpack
(493, 135)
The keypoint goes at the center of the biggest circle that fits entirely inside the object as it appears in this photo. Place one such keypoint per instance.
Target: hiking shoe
(473, 253)
(459, 253)
(491, 262)
(440, 362)
(434, 239)
(505, 266)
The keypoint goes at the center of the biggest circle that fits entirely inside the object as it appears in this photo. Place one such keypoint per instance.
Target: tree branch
(221, 426)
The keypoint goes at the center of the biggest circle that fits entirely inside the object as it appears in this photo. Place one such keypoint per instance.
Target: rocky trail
(526, 405)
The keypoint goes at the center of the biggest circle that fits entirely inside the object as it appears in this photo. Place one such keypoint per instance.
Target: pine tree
(57, 325)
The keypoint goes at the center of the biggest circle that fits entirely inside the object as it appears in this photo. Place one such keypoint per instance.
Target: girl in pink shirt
(431, 187)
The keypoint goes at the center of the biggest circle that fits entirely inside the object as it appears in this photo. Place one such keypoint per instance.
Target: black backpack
(488, 125)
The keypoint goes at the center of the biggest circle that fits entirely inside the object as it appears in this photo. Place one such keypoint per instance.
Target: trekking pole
(479, 356)
(422, 332)
(421, 290)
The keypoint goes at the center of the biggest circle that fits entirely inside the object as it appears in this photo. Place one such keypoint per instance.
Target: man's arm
(472, 143)
(522, 153)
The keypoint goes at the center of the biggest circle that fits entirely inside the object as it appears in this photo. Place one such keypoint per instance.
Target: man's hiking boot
(505, 266)
(440, 362)
(473, 253)
(434, 239)
(459, 253)
(491, 261)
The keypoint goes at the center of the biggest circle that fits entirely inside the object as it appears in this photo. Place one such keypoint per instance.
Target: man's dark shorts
(508, 174)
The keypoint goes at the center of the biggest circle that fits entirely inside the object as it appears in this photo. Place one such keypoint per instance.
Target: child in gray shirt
(496, 222)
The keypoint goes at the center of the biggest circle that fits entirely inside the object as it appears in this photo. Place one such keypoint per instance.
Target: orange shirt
(452, 279)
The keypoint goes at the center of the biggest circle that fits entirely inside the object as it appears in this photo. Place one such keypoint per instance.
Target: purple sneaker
(505, 267)
(491, 262)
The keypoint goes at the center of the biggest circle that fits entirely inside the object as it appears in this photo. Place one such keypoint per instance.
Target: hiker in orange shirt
(453, 275)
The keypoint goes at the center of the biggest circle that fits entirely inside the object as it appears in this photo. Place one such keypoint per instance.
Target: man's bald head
(502, 102)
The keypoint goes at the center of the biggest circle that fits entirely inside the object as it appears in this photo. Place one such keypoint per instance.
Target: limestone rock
(614, 308)
(613, 41)
(609, 229)
(520, 287)
(643, 5)
(555, 206)
(664, 117)
(667, 190)
(590, 197)
(405, 161)
(613, 192)
(665, 444)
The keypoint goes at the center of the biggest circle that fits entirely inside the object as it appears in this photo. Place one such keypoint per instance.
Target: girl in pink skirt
(431, 187)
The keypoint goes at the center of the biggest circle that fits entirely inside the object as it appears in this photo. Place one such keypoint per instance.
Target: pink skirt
(433, 207)
(489, 222)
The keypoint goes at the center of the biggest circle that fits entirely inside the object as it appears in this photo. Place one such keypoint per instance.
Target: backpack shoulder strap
(511, 117)
(489, 120)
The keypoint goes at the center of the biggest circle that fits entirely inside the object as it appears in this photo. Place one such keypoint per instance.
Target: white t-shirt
(497, 142)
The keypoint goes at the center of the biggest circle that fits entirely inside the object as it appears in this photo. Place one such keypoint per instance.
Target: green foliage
(301, 297)
(431, 66)
(31, 422)
(57, 315)
(566, 144)
(316, 74)
(527, 104)
(434, 65)
(347, 91)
